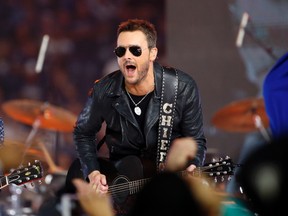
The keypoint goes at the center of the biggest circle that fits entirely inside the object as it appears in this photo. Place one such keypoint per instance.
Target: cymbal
(12, 153)
(50, 117)
(242, 115)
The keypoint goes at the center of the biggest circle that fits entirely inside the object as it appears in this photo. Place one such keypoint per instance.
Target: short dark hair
(142, 25)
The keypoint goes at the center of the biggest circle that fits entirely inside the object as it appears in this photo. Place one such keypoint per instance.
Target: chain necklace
(137, 109)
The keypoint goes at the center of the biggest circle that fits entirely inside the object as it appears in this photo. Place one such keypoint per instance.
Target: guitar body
(120, 175)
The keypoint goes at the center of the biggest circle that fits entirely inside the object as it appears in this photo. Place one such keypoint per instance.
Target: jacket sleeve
(192, 123)
(84, 135)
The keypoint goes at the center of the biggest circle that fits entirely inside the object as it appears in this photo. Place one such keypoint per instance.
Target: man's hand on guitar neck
(191, 168)
(98, 182)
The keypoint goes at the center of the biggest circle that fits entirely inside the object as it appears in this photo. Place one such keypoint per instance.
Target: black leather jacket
(108, 102)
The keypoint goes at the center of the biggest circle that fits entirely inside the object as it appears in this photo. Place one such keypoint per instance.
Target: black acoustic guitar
(127, 176)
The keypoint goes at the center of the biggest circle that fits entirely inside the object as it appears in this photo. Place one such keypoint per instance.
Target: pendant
(137, 110)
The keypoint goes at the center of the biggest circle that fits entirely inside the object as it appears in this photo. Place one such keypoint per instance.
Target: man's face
(136, 59)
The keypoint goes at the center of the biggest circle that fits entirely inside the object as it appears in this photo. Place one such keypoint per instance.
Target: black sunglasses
(135, 50)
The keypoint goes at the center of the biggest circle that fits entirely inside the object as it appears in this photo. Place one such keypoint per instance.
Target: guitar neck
(136, 186)
(133, 187)
(198, 172)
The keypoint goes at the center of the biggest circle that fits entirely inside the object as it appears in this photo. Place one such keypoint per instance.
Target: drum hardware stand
(244, 30)
(35, 127)
(259, 125)
(269, 51)
(52, 166)
(30, 137)
(55, 148)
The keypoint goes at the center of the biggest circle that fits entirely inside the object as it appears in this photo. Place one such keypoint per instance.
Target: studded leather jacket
(109, 103)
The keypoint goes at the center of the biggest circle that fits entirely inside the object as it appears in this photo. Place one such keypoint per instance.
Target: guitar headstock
(221, 167)
(26, 174)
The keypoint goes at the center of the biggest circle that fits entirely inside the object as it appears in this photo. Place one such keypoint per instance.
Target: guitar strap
(167, 110)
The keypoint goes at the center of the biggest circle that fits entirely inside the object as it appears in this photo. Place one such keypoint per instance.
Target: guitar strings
(134, 186)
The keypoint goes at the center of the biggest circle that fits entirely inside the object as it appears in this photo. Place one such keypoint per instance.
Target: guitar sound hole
(120, 189)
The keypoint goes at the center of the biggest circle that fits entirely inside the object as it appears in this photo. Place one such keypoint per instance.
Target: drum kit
(15, 155)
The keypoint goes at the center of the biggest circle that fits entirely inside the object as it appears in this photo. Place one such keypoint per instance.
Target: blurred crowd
(80, 50)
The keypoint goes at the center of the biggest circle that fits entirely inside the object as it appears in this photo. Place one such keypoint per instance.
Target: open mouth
(130, 69)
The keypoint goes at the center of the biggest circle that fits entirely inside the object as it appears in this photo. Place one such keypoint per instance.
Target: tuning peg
(29, 185)
(224, 162)
(35, 176)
